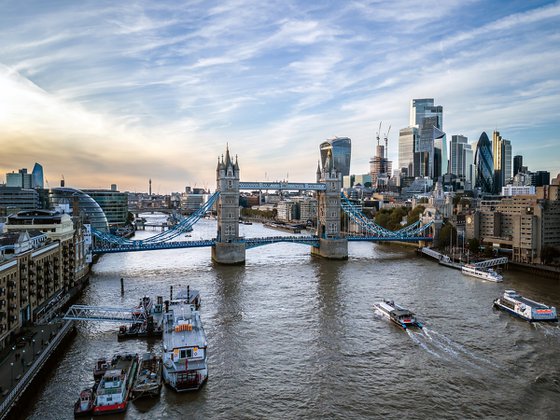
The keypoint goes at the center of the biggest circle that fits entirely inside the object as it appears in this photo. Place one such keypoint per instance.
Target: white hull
(481, 274)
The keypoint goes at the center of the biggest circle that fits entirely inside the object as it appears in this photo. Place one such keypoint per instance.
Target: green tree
(474, 245)
(548, 254)
(414, 214)
(447, 235)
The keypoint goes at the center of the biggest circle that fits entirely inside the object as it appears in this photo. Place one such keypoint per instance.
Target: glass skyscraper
(407, 139)
(37, 175)
(341, 148)
(484, 165)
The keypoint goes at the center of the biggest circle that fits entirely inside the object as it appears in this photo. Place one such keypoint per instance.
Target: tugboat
(397, 314)
(524, 308)
(473, 271)
(113, 391)
(84, 405)
(148, 382)
(184, 343)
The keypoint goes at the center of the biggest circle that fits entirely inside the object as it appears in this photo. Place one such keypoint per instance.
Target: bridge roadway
(249, 242)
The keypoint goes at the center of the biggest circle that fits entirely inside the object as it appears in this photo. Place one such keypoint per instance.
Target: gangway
(434, 254)
(104, 313)
(492, 263)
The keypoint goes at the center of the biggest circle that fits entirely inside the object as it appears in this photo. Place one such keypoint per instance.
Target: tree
(474, 245)
(447, 235)
(548, 254)
(414, 214)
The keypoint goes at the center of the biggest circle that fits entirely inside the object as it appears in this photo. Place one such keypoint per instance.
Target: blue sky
(118, 92)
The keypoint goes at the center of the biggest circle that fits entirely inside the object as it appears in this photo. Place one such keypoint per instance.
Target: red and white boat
(84, 405)
(113, 392)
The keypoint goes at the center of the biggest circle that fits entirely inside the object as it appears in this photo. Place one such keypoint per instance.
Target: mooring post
(122, 286)
(170, 292)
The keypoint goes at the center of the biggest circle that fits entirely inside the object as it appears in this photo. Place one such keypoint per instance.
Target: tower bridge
(228, 247)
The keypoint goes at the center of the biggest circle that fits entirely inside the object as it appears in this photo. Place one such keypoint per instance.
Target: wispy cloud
(108, 92)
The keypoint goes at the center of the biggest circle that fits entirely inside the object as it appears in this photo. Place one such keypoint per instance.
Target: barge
(524, 308)
(185, 365)
(148, 382)
(397, 314)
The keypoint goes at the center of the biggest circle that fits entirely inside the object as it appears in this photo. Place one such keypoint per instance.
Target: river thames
(292, 336)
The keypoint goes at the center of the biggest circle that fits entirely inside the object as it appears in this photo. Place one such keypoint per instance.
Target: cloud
(119, 93)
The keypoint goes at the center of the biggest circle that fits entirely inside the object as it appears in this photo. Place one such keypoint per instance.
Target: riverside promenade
(23, 361)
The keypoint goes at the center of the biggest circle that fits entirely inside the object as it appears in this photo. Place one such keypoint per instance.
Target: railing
(33, 370)
(103, 313)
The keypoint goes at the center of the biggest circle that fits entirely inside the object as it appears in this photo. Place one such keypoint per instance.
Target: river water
(291, 336)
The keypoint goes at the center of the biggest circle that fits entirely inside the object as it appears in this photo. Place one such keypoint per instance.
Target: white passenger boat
(184, 344)
(479, 273)
(524, 308)
(397, 314)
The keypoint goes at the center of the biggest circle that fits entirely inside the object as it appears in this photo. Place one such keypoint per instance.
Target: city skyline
(104, 93)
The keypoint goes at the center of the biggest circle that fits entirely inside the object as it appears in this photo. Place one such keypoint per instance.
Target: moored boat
(101, 366)
(524, 308)
(149, 379)
(84, 405)
(113, 391)
(397, 314)
(479, 273)
(184, 342)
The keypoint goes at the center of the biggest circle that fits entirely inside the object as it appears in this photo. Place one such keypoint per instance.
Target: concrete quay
(21, 363)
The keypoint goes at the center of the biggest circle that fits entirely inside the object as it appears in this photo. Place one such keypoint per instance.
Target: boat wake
(442, 347)
(549, 330)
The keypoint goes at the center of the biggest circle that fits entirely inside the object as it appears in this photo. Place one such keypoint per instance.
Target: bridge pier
(229, 253)
(332, 249)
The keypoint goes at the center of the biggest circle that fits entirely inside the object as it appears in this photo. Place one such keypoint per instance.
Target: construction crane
(379, 132)
(386, 142)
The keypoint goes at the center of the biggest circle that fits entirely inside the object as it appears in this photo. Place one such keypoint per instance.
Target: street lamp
(33, 347)
(12, 382)
(23, 360)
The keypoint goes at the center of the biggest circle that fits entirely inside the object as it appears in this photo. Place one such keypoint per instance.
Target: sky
(103, 92)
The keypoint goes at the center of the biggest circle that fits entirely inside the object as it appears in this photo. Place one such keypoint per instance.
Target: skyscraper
(501, 151)
(457, 155)
(341, 148)
(426, 137)
(422, 108)
(37, 175)
(430, 155)
(517, 164)
(484, 165)
(408, 137)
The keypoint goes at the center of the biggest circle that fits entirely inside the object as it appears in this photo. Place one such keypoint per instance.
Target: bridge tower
(331, 244)
(228, 249)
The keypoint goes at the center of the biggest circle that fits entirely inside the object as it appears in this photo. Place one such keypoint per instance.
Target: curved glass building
(341, 148)
(484, 165)
(83, 202)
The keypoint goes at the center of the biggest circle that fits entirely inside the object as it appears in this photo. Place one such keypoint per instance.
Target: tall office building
(457, 155)
(484, 165)
(517, 164)
(341, 148)
(426, 137)
(19, 179)
(408, 137)
(501, 152)
(37, 176)
(430, 155)
(423, 108)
